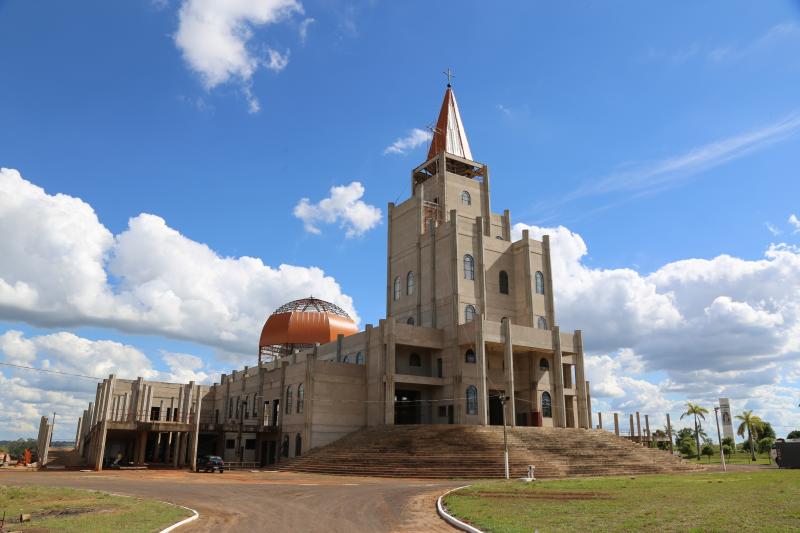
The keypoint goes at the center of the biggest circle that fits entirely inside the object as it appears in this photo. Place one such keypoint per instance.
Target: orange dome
(305, 322)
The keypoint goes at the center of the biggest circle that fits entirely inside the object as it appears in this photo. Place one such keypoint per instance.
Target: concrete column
(141, 447)
(548, 282)
(175, 448)
(507, 225)
(389, 295)
(93, 407)
(78, 433)
(616, 424)
(530, 316)
(647, 430)
(584, 418)
(631, 427)
(101, 445)
(669, 433)
(486, 208)
(508, 353)
(599, 421)
(559, 402)
(588, 404)
(390, 371)
(481, 269)
(184, 441)
(480, 359)
(455, 271)
(195, 435)
(638, 427)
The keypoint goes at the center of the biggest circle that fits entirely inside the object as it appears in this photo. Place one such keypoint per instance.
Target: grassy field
(71, 510)
(744, 501)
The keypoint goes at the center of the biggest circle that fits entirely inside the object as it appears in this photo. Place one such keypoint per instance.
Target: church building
(471, 337)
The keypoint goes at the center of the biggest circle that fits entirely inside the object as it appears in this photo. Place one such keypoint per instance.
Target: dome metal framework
(299, 325)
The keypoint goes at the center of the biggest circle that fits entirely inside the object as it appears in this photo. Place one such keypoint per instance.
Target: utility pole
(719, 438)
(503, 400)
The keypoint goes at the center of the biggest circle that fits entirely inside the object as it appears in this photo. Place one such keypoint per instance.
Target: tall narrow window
(469, 313)
(469, 356)
(288, 399)
(469, 267)
(466, 199)
(285, 446)
(397, 288)
(539, 283)
(544, 366)
(547, 405)
(472, 400)
(298, 445)
(503, 282)
(410, 283)
(359, 358)
(541, 323)
(301, 396)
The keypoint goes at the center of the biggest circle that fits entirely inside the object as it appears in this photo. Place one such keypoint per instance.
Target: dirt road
(270, 501)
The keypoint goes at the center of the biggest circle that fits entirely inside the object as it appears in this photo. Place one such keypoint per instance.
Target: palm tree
(695, 411)
(753, 423)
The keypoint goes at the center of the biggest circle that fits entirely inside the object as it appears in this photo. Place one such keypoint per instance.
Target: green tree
(764, 446)
(695, 411)
(751, 423)
(766, 431)
(730, 443)
(794, 434)
(681, 435)
(726, 450)
(708, 451)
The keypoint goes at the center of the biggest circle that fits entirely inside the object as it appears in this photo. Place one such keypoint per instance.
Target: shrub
(708, 451)
(726, 450)
(764, 445)
(794, 434)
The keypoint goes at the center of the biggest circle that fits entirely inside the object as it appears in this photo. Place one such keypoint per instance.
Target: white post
(719, 438)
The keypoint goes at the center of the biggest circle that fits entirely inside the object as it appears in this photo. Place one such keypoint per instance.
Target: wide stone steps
(446, 451)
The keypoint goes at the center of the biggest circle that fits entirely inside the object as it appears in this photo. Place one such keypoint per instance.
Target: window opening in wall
(441, 411)
(539, 283)
(155, 413)
(301, 396)
(346, 358)
(359, 358)
(541, 323)
(439, 367)
(469, 267)
(298, 445)
(469, 356)
(250, 444)
(469, 313)
(466, 199)
(410, 321)
(230, 444)
(397, 288)
(288, 399)
(547, 405)
(414, 359)
(503, 282)
(472, 400)
(410, 283)
(543, 364)
(285, 446)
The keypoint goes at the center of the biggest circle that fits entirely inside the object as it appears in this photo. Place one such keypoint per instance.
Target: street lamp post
(503, 400)
(719, 438)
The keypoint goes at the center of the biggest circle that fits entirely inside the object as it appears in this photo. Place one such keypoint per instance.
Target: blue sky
(655, 134)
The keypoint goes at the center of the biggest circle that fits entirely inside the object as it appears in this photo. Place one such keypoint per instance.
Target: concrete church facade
(470, 337)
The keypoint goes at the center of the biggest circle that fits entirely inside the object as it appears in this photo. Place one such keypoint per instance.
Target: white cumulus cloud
(344, 206)
(215, 39)
(415, 137)
(55, 272)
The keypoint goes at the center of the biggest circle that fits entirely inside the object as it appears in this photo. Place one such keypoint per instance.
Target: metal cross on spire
(450, 76)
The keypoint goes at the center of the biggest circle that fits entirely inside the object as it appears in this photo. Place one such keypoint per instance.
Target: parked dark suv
(209, 463)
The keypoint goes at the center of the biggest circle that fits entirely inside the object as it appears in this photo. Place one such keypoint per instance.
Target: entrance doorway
(407, 407)
(496, 407)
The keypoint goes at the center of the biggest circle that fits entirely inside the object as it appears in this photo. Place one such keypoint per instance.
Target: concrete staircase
(64, 458)
(450, 451)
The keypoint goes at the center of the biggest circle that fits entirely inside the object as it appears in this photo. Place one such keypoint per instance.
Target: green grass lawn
(745, 501)
(71, 510)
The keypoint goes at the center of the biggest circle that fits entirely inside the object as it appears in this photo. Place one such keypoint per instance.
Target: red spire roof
(449, 135)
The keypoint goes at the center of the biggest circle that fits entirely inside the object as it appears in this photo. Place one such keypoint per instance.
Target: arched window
(547, 405)
(503, 282)
(544, 365)
(469, 356)
(301, 396)
(472, 400)
(469, 313)
(410, 321)
(285, 446)
(469, 267)
(288, 399)
(466, 199)
(541, 323)
(359, 358)
(414, 359)
(346, 358)
(298, 445)
(539, 283)
(397, 288)
(410, 283)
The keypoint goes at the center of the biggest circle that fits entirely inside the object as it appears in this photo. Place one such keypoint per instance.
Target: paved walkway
(270, 501)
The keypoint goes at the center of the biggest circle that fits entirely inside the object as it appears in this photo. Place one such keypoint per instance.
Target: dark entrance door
(495, 408)
(273, 448)
(451, 419)
(407, 408)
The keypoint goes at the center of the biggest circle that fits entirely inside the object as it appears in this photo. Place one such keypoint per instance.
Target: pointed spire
(449, 134)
